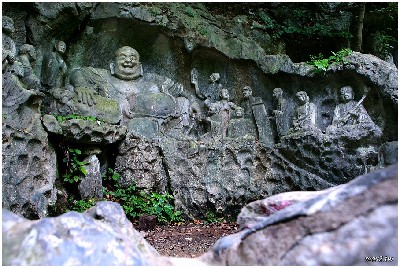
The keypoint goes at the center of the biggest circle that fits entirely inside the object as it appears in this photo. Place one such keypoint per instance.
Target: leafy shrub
(135, 202)
(321, 64)
(81, 205)
(75, 168)
(212, 218)
(385, 43)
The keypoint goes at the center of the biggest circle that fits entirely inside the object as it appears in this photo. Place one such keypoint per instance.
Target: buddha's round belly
(154, 104)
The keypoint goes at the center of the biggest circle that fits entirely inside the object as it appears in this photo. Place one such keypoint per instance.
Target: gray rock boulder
(339, 226)
(100, 236)
(91, 185)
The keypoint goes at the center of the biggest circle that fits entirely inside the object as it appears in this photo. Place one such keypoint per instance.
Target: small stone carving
(27, 57)
(14, 92)
(53, 66)
(280, 113)
(350, 117)
(91, 185)
(240, 127)
(219, 114)
(212, 89)
(305, 114)
(254, 110)
(247, 102)
(196, 118)
(9, 49)
(264, 129)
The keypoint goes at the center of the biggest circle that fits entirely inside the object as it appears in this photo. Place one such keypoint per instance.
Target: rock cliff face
(129, 88)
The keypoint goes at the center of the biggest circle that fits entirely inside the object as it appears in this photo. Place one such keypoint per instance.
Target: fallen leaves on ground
(187, 239)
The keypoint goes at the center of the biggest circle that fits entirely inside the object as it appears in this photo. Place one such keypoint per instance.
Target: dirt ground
(187, 239)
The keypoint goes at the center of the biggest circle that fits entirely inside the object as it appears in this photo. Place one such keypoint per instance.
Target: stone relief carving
(351, 118)
(280, 115)
(152, 113)
(54, 67)
(219, 113)
(305, 114)
(144, 99)
(9, 50)
(240, 127)
(27, 57)
(28, 159)
(254, 109)
(211, 91)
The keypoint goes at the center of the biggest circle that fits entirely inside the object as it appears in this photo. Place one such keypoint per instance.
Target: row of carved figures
(348, 115)
(124, 81)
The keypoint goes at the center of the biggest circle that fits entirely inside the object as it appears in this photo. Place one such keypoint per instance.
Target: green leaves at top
(321, 64)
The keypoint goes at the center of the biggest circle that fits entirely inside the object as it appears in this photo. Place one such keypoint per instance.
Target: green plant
(212, 218)
(61, 118)
(189, 11)
(268, 22)
(75, 168)
(135, 202)
(321, 64)
(160, 206)
(81, 205)
(111, 175)
(384, 43)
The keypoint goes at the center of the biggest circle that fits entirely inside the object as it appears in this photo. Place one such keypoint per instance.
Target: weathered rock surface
(29, 161)
(227, 175)
(91, 185)
(338, 226)
(322, 155)
(100, 236)
(85, 131)
(139, 161)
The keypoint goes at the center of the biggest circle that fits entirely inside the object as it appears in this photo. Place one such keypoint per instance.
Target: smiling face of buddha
(127, 65)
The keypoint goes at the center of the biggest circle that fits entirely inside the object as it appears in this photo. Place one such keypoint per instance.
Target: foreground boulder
(343, 225)
(100, 236)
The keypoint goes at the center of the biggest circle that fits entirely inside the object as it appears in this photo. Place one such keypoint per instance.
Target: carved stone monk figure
(211, 91)
(9, 49)
(220, 113)
(280, 112)
(305, 114)
(351, 118)
(27, 56)
(54, 66)
(139, 95)
(349, 112)
(247, 102)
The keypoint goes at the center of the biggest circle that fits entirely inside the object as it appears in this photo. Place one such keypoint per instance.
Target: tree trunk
(360, 25)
